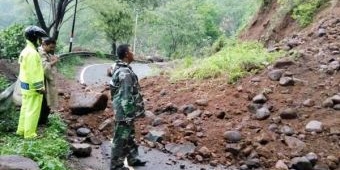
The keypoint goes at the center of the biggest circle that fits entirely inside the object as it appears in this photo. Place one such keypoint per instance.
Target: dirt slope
(311, 73)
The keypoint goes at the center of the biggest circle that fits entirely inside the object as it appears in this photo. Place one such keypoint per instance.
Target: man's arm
(126, 89)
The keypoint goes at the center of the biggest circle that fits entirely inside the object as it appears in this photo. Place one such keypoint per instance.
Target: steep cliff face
(274, 21)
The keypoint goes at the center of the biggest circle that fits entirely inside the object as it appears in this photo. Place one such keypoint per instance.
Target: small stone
(286, 81)
(328, 103)
(233, 148)
(321, 32)
(186, 109)
(163, 92)
(334, 65)
(301, 163)
(336, 107)
(194, 114)
(287, 130)
(308, 103)
(262, 113)
(81, 150)
(199, 158)
(312, 157)
(321, 167)
(150, 144)
(82, 132)
(204, 151)
(280, 164)
(276, 119)
(294, 143)
(157, 121)
(253, 107)
(336, 99)
(213, 163)
(202, 102)
(275, 75)
(244, 167)
(273, 127)
(239, 88)
(232, 136)
(253, 163)
(314, 126)
(221, 115)
(289, 113)
(95, 141)
(333, 159)
(260, 98)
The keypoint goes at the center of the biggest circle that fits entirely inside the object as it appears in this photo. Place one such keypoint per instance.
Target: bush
(235, 60)
(305, 11)
(67, 66)
(12, 41)
(49, 150)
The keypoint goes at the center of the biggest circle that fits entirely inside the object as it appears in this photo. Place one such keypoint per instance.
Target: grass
(305, 11)
(49, 150)
(234, 61)
(67, 66)
(4, 83)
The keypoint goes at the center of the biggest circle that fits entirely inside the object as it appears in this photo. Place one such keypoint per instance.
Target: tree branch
(39, 15)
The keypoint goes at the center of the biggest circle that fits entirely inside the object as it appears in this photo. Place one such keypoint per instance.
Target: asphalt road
(96, 73)
(156, 160)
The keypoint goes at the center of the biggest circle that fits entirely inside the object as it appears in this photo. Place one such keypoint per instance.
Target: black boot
(136, 162)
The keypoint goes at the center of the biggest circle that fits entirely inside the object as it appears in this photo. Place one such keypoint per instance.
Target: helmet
(32, 33)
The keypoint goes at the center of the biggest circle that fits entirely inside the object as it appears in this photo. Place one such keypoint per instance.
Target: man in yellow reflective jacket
(31, 78)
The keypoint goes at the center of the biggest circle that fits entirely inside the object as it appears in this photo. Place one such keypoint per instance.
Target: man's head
(124, 53)
(34, 33)
(49, 45)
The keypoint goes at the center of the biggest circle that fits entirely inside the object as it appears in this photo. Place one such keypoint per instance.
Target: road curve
(96, 73)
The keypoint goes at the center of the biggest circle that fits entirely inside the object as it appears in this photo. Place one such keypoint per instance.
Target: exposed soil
(228, 107)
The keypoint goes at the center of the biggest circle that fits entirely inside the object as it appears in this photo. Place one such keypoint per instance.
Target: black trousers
(45, 111)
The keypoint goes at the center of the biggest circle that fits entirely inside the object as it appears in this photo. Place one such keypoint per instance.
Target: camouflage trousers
(123, 144)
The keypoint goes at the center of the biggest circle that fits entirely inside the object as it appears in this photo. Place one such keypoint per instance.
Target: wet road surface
(95, 74)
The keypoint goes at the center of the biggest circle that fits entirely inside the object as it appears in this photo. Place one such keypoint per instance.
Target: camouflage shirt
(127, 100)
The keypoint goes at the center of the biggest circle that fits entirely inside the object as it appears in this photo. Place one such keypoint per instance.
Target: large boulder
(15, 162)
(82, 103)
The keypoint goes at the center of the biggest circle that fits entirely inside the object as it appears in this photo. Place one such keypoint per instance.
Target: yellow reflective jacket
(31, 73)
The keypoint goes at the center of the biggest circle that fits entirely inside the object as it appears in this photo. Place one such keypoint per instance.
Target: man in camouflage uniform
(128, 105)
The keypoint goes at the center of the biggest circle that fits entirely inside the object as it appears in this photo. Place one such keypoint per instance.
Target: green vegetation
(4, 83)
(305, 11)
(12, 41)
(9, 116)
(49, 150)
(189, 27)
(67, 66)
(234, 61)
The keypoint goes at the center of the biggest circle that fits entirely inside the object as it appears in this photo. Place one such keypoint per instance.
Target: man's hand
(109, 71)
(54, 60)
(41, 91)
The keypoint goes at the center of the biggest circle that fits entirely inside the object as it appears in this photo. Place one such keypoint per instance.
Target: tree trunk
(114, 48)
